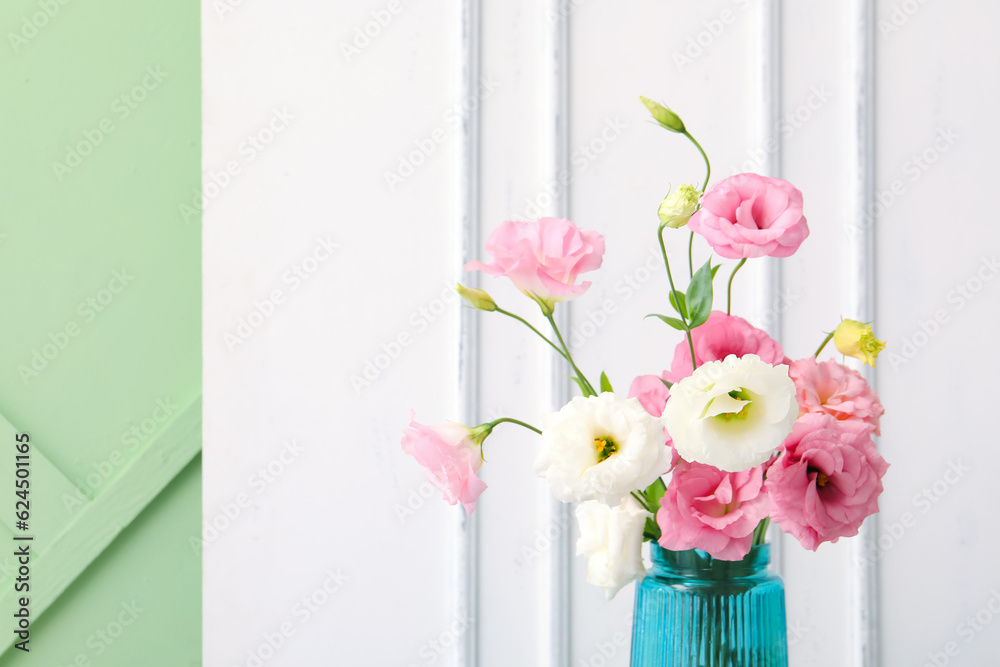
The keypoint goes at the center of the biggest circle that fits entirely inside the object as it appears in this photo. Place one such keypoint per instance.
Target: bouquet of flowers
(706, 454)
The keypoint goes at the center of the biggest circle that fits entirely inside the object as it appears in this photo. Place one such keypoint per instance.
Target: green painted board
(100, 325)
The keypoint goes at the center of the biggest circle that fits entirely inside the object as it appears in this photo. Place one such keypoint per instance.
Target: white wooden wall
(327, 544)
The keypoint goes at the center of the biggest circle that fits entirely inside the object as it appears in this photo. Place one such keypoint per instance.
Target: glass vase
(692, 610)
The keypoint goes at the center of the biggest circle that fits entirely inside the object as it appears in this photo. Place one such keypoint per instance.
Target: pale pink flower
(827, 480)
(543, 258)
(831, 388)
(748, 215)
(651, 392)
(719, 337)
(715, 511)
(450, 457)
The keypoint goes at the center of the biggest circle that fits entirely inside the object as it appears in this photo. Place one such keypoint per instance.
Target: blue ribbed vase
(692, 610)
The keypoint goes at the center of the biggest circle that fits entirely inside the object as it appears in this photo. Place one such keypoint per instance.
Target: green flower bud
(678, 206)
(477, 298)
(663, 115)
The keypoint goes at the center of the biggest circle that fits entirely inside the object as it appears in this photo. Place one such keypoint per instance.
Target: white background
(344, 519)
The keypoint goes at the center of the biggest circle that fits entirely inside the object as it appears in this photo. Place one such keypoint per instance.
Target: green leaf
(671, 321)
(654, 493)
(699, 296)
(651, 531)
(579, 383)
(715, 269)
(679, 303)
(605, 383)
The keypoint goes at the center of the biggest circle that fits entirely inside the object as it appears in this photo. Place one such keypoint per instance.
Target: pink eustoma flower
(827, 480)
(748, 215)
(719, 337)
(831, 388)
(715, 511)
(451, 459)
(653, 395)
(543, 258)
(651, 392)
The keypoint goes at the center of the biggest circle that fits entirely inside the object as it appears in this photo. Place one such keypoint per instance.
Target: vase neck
(697, 564)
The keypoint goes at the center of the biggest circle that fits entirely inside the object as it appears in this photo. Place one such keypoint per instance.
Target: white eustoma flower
(611, 539)
(601, 448)
(731, 414)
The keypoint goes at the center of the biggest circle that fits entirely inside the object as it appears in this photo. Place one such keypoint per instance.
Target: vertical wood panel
(860, 279)
(516, 535)
(768, 96)
(554, 70)
(465, 586)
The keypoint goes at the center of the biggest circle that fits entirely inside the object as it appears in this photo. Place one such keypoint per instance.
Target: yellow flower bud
(678, 206)
(477, 298)
(663, 115)
(855, 339)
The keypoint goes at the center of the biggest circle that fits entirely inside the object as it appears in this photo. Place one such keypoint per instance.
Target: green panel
(110, 224)
(100, 295)
(165, 580)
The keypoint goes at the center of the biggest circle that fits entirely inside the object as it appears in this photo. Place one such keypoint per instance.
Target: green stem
(708, 165)
(729, 290)
(826, 340)
(670, 277)
(690, 256)
(528, 324)
(569, 357)
(642, 501)
(510, 420)
(760, 532)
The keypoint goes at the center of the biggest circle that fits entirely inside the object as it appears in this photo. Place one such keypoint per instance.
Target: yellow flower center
(738, 403)
(822, 479)
(605, 448)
